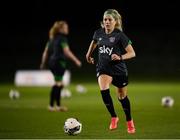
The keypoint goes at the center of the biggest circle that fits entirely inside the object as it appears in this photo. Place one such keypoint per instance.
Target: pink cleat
(130, 127)
(114, 122)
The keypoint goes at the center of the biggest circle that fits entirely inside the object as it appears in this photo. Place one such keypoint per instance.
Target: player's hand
(115, 57)
(42, 66)
(78, 63)
(90, 59)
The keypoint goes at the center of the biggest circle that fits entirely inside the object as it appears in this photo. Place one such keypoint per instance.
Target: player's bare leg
(104, 82)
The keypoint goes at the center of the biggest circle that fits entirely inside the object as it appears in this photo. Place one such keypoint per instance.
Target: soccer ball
(167, 101)
(81, 89)
(72, 126)
(14, 94)
(65, 93)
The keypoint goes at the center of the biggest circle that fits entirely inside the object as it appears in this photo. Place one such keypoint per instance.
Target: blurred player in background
(114, 47)
(57, 50)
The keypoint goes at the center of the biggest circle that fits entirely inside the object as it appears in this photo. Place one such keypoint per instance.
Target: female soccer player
(58, 49)
(114, 47)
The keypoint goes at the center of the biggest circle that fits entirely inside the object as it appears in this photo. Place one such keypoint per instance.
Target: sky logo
(106, 50)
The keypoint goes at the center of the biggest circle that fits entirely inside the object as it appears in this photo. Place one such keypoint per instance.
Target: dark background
(152, 26)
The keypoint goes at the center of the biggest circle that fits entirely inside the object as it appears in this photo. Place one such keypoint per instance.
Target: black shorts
(119, 81)
(57, 70)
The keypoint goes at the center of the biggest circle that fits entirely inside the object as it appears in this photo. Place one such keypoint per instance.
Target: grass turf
(28, 117)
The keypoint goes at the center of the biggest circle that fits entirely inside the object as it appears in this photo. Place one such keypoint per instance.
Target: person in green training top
(57, 51)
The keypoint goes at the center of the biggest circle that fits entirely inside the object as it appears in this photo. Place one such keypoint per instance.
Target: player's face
(64, 29)
(109, 22)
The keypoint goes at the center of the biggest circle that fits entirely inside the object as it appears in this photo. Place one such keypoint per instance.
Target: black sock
(108, 102)
(126, 107)
(52, 96)
(58, 95)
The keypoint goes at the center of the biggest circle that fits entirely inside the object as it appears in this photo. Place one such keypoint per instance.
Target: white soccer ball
(167, 101)
(81, 89)
(72, 126)
(14, 94)
(66, 93)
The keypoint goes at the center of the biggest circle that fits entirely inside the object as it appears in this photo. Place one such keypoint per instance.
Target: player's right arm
(91, 49)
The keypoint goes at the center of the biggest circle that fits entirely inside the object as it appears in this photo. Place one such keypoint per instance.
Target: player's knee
(121, 94)
(104, 87)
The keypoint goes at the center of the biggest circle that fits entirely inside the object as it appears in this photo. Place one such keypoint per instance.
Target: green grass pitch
(28, 117)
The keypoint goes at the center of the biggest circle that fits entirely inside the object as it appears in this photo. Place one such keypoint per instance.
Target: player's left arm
(71, 55)
(44, 58)
(68, 53)
(130, 53)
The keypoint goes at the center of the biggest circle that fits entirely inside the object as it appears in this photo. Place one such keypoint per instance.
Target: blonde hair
(55, 28)
(115, 14)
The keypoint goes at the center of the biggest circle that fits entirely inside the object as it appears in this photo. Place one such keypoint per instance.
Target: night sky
(88, 13)
(151, 25)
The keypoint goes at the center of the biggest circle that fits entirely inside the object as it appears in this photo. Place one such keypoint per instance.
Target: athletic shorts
(57, 69)
(119, 81)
